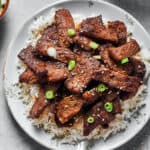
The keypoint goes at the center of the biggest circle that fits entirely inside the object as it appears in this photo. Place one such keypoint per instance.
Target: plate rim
(52, 4)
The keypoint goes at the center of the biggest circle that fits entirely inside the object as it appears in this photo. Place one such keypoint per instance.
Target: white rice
(75, 133)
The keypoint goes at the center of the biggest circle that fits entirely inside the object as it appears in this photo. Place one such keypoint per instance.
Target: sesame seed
(98, 109)
(110, 92)
(121, 88)
(93, 94)
(98, 115)
(141, 82)
(103, 119)
(118, 93)
(102, 72)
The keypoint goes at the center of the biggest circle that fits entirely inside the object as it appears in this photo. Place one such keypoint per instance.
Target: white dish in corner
(84, 8)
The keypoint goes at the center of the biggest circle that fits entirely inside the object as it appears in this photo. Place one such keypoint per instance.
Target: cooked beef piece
(64, 21)
(124, 51)
(101, 116)
(119, 28)
(28, 76)
(47, 46)
(83, 42)
(45, 71)
(68, 107)
(59, 53)
(117, 80)
(127, 67)
(134, 67)
(107, 60)
(126, 95)
(50, 35)
(80, 77)
(117, 106)
(111, 94)
(38, 105)
(138, 68)
(93, 27)
(41, 103)
(91, 96)
(48, 39)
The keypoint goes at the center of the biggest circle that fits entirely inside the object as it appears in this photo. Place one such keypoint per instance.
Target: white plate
(85, 8)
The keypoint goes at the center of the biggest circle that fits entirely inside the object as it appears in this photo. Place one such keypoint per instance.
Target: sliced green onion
(71, 32)
(124, 60)
(98, 57)
(90, 119)
(71, 65)
(101, 88)
(50, 94)
(93, 45)
(108, 106)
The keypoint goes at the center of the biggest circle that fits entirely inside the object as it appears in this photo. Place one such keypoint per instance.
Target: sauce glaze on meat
(76, 90)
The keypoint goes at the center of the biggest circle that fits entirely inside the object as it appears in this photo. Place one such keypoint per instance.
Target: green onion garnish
(101, 88)
(93, 45)
(90, 119)
(108, 106)
(124, 60)
(71, 32)
(71, 65)
(50, 94)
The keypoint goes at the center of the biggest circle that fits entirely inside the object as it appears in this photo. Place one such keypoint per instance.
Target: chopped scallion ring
(108, 106)
(124, 60)
(71, 32)
(101, 88)
(90, 119)
(71, 65)
(93, 45)
(50, 94)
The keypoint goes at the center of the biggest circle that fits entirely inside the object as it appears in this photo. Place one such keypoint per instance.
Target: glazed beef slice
(139, 68)
(119, 28)
(45, 71)
(41, 102)
(47, 46)
(39, 105)
(91, 96)
(117, 80)
(64, 21)
(127, 50)
(61, 54)
(80, 77)
(109, 62)
(101, 116)
(68, 107)
(83, 42)
(93, 27)
(28, 76)
(48, 39)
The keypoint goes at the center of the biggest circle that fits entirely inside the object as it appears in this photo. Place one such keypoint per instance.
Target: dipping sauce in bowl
(3, 7)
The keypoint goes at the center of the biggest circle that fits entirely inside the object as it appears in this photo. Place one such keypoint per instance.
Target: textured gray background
(11, 136)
